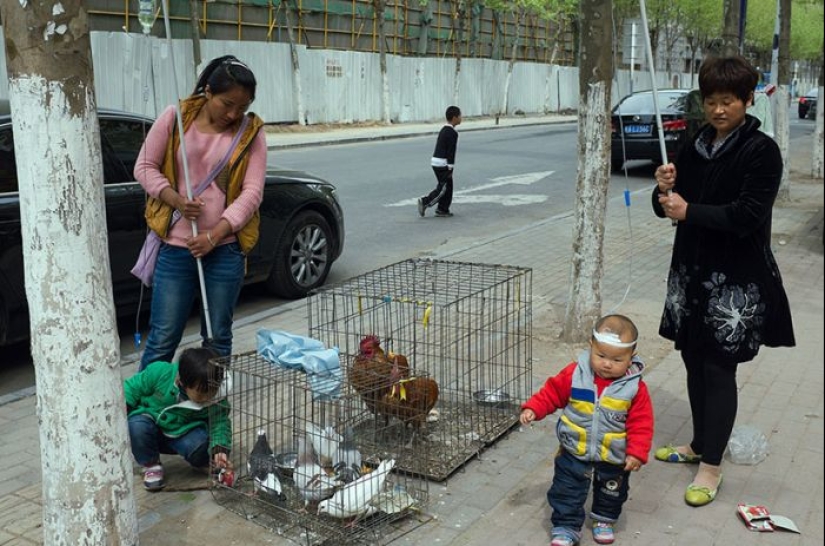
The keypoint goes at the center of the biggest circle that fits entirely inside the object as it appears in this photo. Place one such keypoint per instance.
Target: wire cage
(466, 325)
(281, 404)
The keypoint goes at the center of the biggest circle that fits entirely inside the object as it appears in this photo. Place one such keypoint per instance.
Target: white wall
(134, 72)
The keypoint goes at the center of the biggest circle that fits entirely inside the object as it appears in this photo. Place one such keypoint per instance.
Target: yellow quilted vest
(159, 215)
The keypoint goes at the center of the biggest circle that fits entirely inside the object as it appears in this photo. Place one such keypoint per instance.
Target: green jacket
(153, 392)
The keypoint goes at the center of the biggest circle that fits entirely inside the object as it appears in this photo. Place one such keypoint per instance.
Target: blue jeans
(571, 483)
(176, 285)
(148, 442)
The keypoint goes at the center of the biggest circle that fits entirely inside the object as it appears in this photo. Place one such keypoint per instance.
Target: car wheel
(302, 257)
(616, 164)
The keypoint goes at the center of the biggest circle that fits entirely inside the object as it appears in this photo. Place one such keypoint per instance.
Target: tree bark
(819, 146)
(511, 62)
(595, 82)
(730, 30)
(296, 66)
(782, 124)
(196, 35)
(87, 485)
(382, 55)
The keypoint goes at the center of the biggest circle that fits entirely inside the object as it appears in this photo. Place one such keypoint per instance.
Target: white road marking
(508, 200)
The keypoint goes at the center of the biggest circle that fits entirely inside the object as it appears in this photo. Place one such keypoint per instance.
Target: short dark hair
(452, 112)
(224, 73)
(728, 74)
(617, 324)
(196, 370)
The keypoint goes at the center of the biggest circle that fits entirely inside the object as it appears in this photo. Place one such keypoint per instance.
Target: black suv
(302, 225)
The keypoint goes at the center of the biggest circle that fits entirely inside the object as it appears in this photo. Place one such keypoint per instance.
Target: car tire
(303, 257)
(616, 164)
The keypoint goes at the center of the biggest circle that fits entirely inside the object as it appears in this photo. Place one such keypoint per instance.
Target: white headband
(612, 339)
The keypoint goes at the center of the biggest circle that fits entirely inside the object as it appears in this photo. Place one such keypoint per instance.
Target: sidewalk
(499, 497)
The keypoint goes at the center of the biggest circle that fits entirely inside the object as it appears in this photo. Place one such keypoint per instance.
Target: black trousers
(443, 192)
(711, 386)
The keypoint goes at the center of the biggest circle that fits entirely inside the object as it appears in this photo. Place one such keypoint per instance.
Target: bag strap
(176, 215)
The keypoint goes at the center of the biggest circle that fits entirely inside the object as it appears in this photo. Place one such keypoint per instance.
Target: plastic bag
(747, 445)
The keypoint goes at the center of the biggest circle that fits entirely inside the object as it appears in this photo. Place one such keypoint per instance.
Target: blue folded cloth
(294, 352)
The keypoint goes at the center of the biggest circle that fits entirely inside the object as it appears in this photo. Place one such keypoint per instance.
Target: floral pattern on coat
(736, 313)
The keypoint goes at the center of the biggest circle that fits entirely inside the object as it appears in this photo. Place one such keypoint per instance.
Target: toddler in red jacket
(605, 430)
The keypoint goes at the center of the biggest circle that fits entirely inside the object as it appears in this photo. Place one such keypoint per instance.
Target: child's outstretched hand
(221, 460)
(632, 464)
(527, 416)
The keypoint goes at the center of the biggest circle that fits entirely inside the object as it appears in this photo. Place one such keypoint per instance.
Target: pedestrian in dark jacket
(725, 297)
(443, 163)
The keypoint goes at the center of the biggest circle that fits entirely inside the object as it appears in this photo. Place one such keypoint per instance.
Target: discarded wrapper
(757, 518)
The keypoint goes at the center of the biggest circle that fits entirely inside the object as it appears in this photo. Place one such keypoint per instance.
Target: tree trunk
(730, 31)
(382, 55)
(458, 32)
(595, 81)
(87, 485)
(817, 164)
(196, 35)
(296, 67)
(512, 62)
(782, 126)
(426, 20)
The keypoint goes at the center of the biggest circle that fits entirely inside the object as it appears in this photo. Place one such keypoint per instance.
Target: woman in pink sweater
(226, 153)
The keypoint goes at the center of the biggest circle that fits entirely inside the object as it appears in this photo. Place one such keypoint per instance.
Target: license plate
(636, 129)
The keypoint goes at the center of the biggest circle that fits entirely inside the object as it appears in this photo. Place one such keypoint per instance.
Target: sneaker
(603, 532)
(153, 477)
(421, 207)
(443, 214)
(562, 540)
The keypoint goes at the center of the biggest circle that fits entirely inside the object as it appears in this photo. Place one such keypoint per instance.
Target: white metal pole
(654, 87)
(201, 279)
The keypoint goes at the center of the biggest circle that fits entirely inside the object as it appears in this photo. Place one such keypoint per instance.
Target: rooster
(374, 372)
(410, 400)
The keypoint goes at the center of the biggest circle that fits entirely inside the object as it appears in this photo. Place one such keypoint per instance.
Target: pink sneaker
(603, 532)
(153, 477)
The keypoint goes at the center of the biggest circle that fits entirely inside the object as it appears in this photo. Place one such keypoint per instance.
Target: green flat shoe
(697, 495)
(669, 454)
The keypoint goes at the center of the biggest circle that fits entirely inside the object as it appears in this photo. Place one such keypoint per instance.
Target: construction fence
(441, 28)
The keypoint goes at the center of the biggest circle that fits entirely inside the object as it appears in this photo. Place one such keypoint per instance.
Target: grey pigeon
(347, 460)
(263, 468)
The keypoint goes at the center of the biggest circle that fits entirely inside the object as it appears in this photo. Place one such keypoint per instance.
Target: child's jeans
(148, 442)
(571, 484)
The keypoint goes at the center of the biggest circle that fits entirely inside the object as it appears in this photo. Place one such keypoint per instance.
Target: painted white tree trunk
(595, 81)
(510, 64)
(783, 130)
(457, 80)
(296, 68)
(817, 166)
(584, 296)
(87, 482)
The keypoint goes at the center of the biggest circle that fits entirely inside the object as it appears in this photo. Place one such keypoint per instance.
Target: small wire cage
(467, 326)
(266, 398)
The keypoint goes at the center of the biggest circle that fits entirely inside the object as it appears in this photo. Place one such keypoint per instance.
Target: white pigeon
(353, 500)
(324, 441)
(312, 480)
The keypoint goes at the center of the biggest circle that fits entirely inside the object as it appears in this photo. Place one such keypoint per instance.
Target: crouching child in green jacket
(179, 408)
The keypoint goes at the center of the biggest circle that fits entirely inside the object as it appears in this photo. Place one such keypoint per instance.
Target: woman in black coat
(725, 296)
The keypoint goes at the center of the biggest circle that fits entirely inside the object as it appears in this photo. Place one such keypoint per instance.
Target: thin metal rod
(652, 70)
(179, 118)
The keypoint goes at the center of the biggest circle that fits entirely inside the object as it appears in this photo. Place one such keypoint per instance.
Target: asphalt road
(505, 179)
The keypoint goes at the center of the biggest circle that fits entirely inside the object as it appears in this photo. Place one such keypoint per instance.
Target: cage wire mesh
(468, 326)
(265, 398)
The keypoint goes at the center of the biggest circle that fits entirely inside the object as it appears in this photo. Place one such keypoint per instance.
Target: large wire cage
(281, 404)
(466, 325)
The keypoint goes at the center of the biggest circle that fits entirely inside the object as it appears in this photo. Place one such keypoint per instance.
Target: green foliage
(806, 27)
